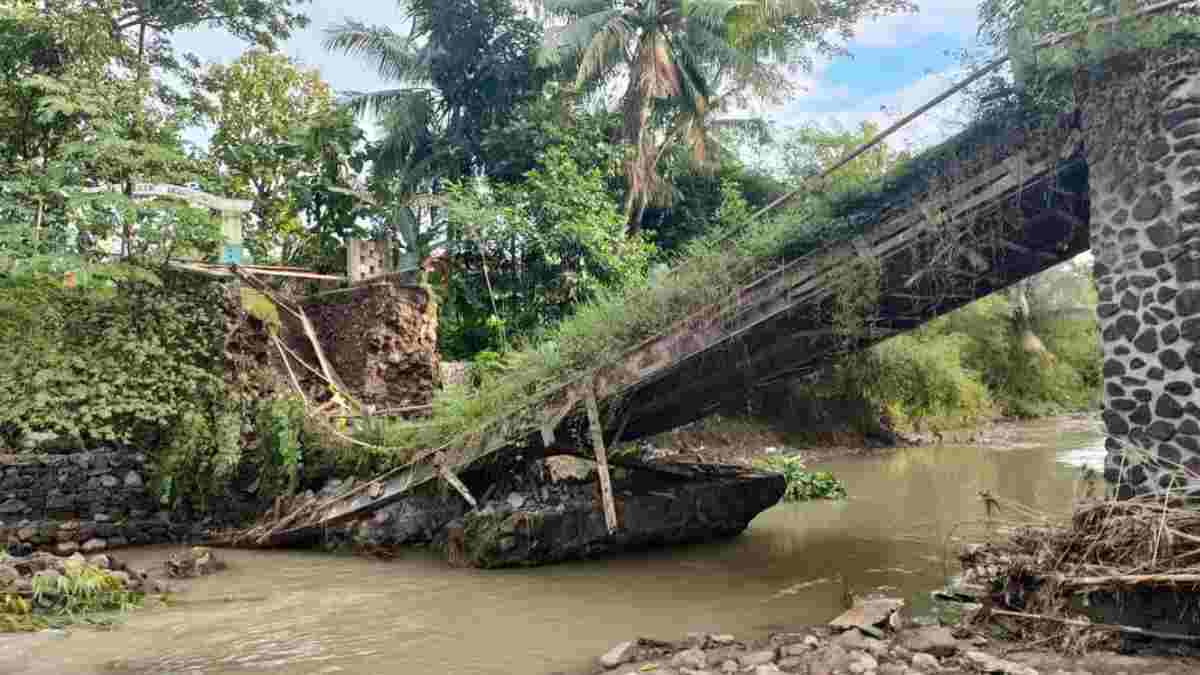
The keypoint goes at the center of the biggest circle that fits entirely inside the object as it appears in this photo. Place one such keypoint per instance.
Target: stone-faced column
(1141, 121)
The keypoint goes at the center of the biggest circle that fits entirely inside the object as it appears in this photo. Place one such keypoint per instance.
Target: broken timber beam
(449, 477)
(606, 494)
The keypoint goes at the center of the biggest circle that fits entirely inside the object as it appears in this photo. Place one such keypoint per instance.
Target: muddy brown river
(306, 613)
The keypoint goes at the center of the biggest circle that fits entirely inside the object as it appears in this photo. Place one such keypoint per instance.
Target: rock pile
(18, 575)
(820, 651)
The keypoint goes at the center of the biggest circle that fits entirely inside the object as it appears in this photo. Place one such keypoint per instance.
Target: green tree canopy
(259, 105)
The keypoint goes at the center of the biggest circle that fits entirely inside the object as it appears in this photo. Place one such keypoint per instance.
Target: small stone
(1168, 407)
(757, 658)
(1170, 334)
(791, 664)
(722, 639)
(66, 548)
(1113, 368)
(935, 640)
(926, 663)
(1187, 303)
(516, 500)
(1170, 454)
(767, 669)
(1161, 235)
(729, 666)
(863, 663)
(94, 544)
(1116, 424)
(1179, 389)
(619, 655)
(109, 481)
(1190, 330)
(1171, 359)
(1147, 207)
(1155, 150)
(690, 658)
(12, 506)
(1152, 259)
(1147, 342)
(990, 664)
(1127, 326)
(795, 650)
(132, 479)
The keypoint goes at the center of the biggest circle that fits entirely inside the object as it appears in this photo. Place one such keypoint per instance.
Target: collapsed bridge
(1120, 175)
(1017, 216)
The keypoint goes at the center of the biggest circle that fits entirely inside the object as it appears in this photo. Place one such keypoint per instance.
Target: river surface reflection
(295, 613)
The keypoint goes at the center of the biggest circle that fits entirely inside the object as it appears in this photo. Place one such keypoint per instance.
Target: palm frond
(576, 8)
(711, 14)
(383, 101)
(609, 33)
(395, 57)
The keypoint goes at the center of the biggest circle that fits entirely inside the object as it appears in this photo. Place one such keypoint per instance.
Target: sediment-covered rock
(564, 520)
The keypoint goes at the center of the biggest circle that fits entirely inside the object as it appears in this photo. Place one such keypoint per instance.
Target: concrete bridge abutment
(1140, 117)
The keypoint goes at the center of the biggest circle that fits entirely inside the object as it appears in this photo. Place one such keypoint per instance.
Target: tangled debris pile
(1134, 564)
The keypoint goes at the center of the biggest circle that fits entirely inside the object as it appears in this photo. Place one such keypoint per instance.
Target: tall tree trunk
(638, 169)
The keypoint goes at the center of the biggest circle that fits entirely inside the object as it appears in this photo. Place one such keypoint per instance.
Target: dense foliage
(556, 230)
(802, 485)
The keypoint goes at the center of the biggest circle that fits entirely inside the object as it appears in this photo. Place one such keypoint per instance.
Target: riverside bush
(803, 485)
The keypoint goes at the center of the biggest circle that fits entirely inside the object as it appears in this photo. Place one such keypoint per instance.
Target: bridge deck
(1013, 220)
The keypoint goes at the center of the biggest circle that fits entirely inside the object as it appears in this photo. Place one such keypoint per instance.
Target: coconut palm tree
(672, 54)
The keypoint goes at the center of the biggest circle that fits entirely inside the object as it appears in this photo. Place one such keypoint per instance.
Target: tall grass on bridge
(736, 251)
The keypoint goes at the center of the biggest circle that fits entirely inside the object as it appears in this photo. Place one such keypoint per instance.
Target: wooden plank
(1025, 250)
(449, 477)
(610, 508)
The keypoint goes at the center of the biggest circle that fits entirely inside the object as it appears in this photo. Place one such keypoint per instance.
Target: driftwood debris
(606, 494)
(1109, 627)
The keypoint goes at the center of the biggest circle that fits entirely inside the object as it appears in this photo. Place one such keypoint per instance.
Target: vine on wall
(141, 365)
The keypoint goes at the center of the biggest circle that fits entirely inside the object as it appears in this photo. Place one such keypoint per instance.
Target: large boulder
(567, 521)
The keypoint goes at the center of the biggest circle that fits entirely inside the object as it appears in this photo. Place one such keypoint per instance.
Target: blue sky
(897, 63)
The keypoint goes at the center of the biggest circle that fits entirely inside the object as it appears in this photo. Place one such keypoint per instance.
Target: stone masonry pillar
(1141, 124)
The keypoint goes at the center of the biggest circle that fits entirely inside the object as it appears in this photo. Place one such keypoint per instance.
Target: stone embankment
(63, 496)
(915, 650)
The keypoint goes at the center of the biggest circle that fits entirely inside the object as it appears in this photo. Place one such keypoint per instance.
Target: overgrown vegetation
(802, 485)
(544, 265)
(81, 593)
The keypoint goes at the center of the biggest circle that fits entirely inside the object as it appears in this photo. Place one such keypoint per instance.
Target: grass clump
(79, 594)
(802, 485)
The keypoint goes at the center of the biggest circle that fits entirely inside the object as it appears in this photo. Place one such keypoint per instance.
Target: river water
(290, 612)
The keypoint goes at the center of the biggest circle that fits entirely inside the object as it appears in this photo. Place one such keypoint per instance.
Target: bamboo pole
(610, 508)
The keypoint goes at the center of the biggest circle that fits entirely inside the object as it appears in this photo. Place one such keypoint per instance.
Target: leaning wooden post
(610, 508)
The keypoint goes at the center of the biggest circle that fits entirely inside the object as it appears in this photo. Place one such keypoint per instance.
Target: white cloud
(952, 17)
(931, 128)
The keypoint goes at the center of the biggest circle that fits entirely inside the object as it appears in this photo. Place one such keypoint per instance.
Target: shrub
(803, 485)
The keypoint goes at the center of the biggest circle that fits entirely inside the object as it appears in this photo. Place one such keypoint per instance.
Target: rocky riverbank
(40, 589)
(896, 647)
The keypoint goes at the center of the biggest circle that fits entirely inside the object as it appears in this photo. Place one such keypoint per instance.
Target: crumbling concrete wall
(380, 337)
(1141, 121)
